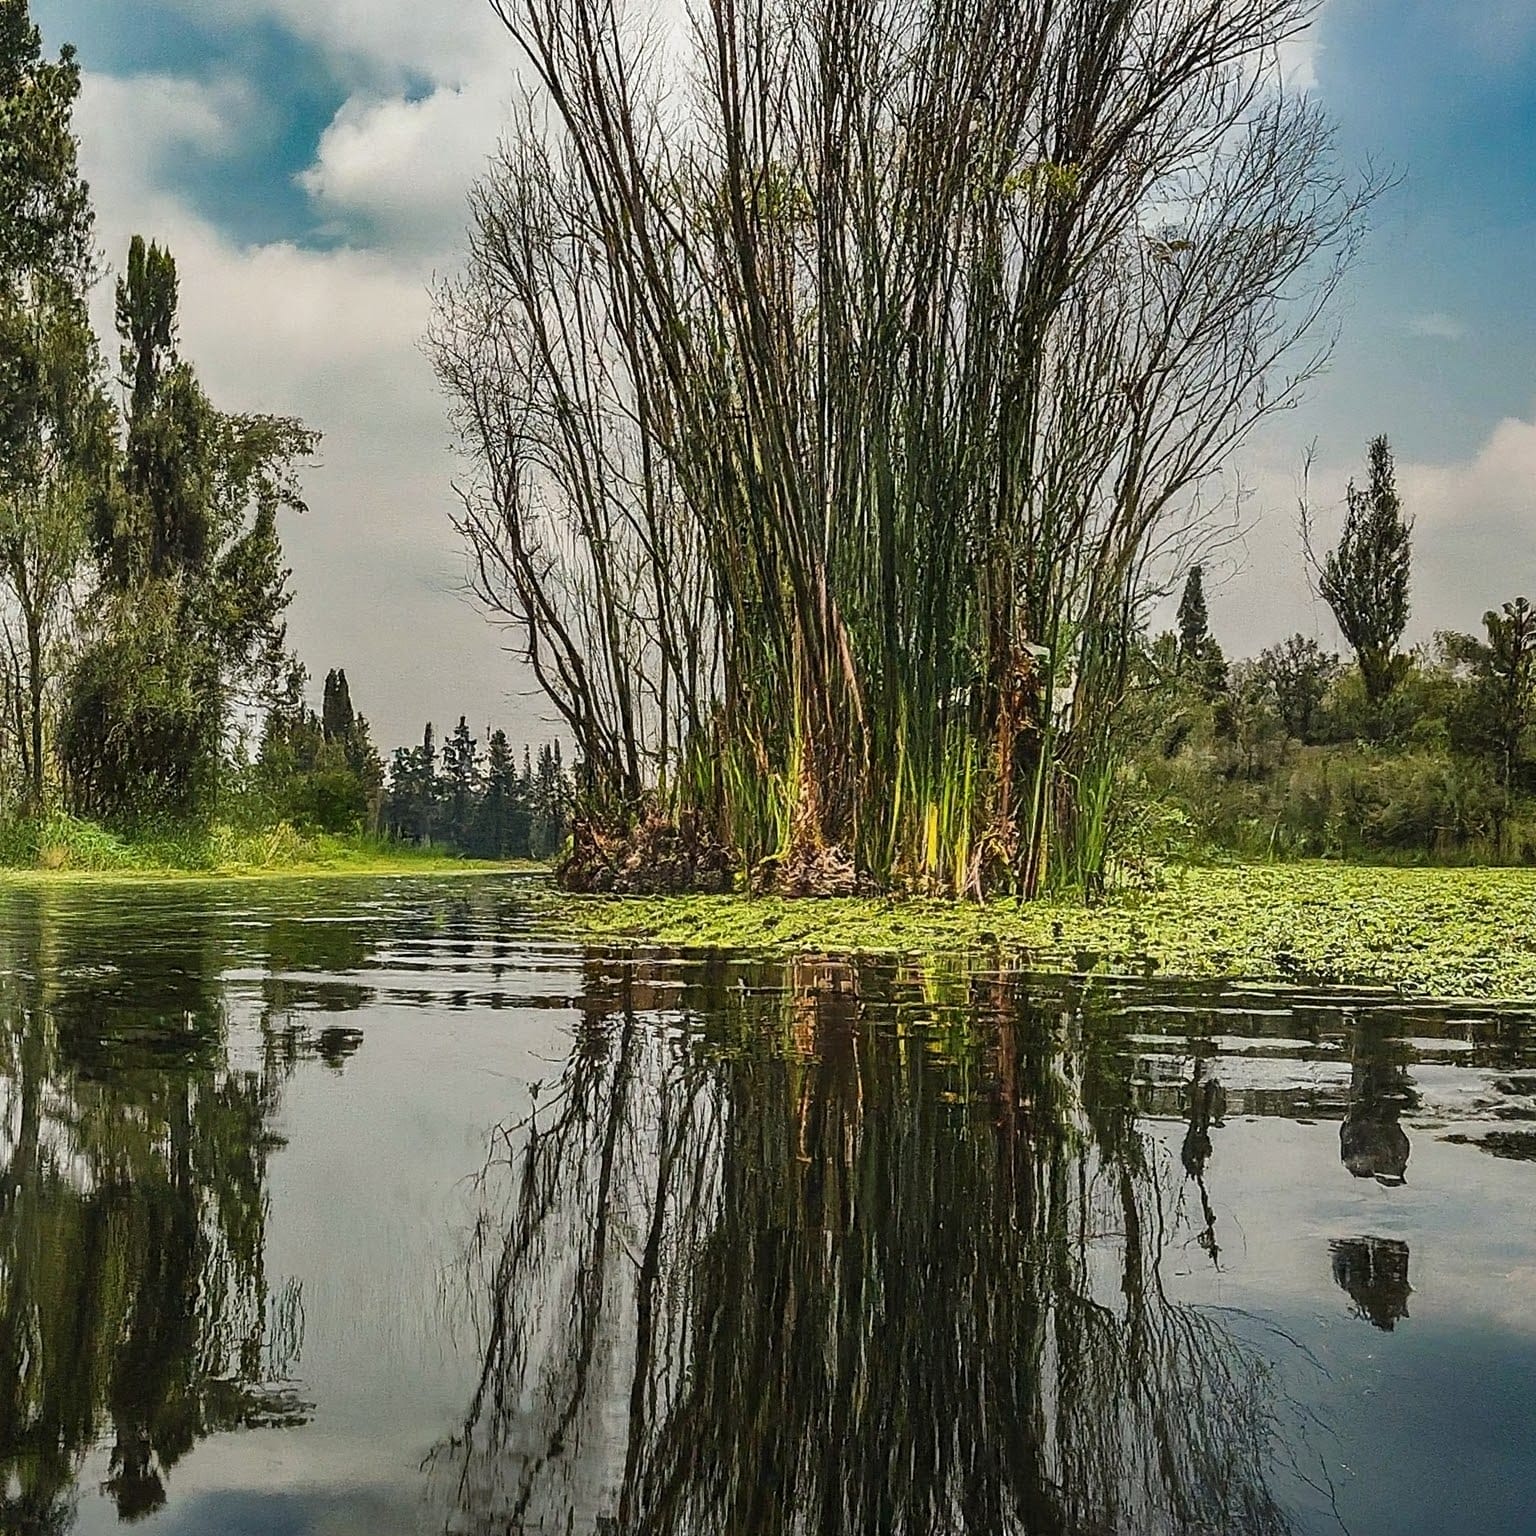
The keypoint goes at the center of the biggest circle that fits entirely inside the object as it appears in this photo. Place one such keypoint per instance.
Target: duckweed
(1447, 933)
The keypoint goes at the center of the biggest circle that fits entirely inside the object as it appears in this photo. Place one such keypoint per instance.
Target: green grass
(1445, 933)
(60, 846)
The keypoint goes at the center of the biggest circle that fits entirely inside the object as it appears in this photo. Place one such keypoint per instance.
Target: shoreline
(16, 875)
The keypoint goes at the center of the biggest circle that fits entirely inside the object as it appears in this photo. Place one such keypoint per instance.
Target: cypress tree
(336, 712)
(1365, 578)
(1194, 621)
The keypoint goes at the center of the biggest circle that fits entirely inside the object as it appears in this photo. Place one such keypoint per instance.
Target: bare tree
(833, 375)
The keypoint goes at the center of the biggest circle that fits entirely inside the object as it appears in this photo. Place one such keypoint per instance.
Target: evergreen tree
(411, 808)
(548, 802)
(1365, 578)
(312, 775)
(399, 800)
(460, 785)
(336, 712)
(1199, 657)
(1194, 621)
(427, 788)
(366, 766)
(502, 823)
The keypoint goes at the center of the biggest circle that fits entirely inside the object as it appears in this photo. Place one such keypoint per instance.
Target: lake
(365, 1208)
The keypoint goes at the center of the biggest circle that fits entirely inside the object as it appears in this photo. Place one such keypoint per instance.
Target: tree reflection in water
(135, 1309)
(783, 1270)
(1372, 1141)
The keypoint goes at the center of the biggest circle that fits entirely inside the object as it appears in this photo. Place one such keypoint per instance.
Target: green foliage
(317, 771)
(1296, 759)
(1296, 676)
(45, 218)
(1498, 709)
(1365, 577)
(192, 587)
(62, 844)
(503, 820)
(141, 735)
(57, 429)
(1425, 932)
(481, 805)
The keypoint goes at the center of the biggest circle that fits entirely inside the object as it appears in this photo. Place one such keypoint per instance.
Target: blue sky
(308, 164)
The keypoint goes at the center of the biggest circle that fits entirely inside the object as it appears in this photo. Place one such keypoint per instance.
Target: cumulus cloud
(1474, 528)
(392, 40)
(402, 168)
(332, 336)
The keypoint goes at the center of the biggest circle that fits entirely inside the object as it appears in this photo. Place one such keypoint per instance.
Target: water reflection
(1372, 1142)
(828, 1247)
(787, 1272)
(135, 1307)
(1373, 1271)
(1206, 1107)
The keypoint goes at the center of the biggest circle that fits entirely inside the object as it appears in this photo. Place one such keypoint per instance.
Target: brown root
(654, 856)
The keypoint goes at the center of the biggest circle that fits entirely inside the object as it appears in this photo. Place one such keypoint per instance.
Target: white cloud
(1474, 528)
(332, 336)
(1437, 326)
(138, 130)
(1298, 59)
(1474, 541)
(389, 40)
(404, 167)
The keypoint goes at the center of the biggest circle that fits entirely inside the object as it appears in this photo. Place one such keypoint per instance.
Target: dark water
(361, 1208)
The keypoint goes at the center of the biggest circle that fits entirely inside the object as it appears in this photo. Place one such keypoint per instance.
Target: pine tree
(461, 784)
(425, 787)
(548, 800)
(400, 800)
(502, 822)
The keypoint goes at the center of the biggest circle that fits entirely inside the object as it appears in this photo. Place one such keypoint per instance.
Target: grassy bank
(62, 846)
(1428, 932)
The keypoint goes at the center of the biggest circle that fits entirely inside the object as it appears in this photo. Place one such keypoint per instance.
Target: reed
(839, 383)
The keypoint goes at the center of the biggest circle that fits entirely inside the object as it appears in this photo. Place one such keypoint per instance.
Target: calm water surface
(364, 1208)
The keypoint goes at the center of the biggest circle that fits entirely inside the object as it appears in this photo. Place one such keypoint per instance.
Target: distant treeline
(483, 804)
(322, 771)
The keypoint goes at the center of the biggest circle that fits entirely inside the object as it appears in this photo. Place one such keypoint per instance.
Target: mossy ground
(1444, 933)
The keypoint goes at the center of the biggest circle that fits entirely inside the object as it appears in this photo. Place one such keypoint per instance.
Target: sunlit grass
(62, 846)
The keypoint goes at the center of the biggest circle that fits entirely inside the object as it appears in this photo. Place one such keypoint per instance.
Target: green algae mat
(1425, 932)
